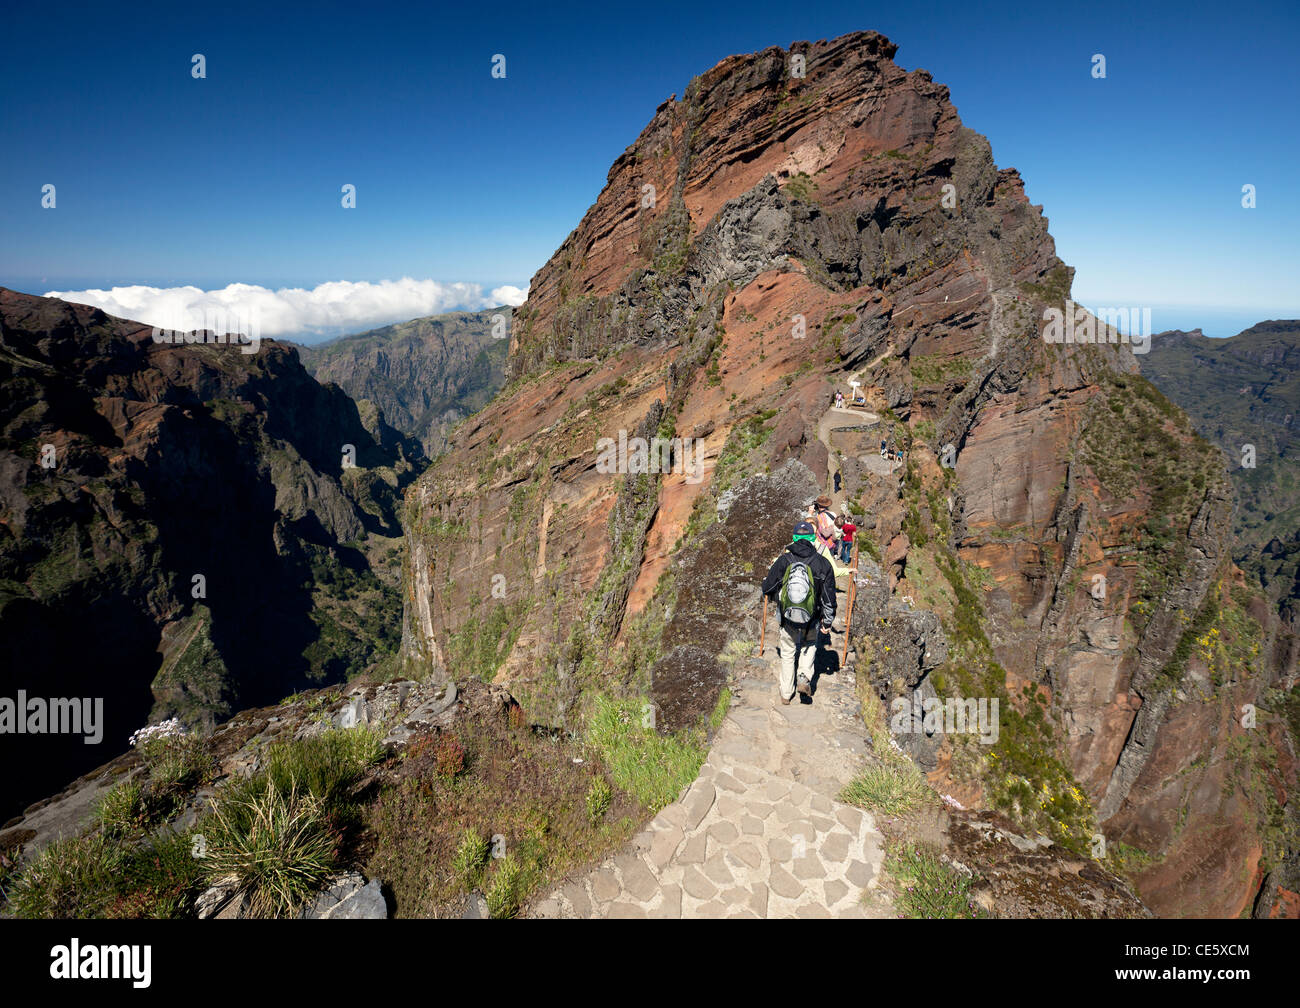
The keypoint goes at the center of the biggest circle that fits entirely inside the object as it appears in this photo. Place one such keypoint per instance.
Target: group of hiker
(802, 584)
(834, 532)
(858, 399)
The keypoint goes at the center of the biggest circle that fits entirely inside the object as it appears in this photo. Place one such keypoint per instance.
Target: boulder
(349, 897)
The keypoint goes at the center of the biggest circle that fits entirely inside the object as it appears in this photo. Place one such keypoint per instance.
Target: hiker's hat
(823, 501)
(804, 531)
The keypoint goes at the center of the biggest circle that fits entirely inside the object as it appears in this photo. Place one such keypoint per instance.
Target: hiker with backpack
(802, 584)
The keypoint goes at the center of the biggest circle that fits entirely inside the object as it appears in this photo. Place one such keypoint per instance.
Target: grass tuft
(277, 845)
(599, 796)
(123, 810)
(893, 789)
(930, 889)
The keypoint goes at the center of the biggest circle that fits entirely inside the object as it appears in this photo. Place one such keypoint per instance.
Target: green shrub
(504, 891)
(325, 766)
(99, 875)
(69, 878)
(158, 878)
(471, 859)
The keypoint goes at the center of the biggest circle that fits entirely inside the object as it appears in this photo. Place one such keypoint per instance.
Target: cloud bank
(330, 309)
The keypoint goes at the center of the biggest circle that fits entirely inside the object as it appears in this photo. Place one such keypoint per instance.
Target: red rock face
(803, 231)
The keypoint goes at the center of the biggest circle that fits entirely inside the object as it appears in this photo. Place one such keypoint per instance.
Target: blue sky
(164, 180)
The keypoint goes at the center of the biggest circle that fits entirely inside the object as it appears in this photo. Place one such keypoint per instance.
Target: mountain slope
(1245, 391)
(171, 463)
(424, 375)
(764, 240)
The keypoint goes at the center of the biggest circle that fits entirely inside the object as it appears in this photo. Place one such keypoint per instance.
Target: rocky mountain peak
(798, 221)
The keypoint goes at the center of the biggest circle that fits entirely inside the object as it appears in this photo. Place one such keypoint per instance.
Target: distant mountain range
(1241, 392)
(425, 375)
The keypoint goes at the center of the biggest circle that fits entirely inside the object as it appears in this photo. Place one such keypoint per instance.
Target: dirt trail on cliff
(760, 832)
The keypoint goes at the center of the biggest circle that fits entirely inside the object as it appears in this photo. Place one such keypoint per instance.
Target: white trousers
(798, 652)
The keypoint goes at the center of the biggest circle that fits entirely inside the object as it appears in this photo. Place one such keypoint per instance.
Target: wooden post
(853, 593)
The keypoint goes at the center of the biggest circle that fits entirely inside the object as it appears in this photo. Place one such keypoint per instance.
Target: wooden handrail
(853, 594)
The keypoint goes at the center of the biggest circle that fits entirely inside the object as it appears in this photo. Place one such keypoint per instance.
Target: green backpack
(798, 593)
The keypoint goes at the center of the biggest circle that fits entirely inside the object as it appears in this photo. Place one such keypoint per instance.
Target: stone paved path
(760, 832)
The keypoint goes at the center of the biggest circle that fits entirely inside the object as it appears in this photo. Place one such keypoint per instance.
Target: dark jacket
(823, 574)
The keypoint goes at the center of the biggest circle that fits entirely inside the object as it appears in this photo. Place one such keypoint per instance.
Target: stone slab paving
(760, 832)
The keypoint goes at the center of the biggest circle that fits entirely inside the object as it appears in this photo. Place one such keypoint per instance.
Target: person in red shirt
(847, 528)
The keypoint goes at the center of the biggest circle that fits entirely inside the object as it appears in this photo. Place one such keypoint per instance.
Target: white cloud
(508, 295)
(330, 309)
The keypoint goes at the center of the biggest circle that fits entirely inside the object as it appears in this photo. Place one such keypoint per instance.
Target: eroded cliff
(178, 532)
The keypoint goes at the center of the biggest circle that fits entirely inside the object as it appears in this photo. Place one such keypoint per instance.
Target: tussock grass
(505, 888)
(124, 809)
(175, 764)
(278, 845)
(894, 785)
(99, 875)
(599, 796)
(326, 766)
(892, 789)
(279, 833)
